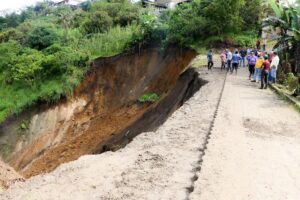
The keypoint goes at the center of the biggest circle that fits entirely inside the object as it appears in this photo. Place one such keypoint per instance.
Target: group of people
(262, 65)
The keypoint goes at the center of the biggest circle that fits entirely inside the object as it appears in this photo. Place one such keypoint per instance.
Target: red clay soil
(111, 90)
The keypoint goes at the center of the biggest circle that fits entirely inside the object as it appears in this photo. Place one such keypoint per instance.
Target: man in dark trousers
(210, 63)
(266, 67)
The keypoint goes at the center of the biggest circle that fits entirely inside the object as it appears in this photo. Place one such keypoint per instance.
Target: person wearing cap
(265, 70)
(258, 65)
(251, 61)
(274, 67)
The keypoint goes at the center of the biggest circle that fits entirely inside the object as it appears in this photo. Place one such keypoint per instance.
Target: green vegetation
(286, 20)
(216, 22)
(148, 97)
(46, 50)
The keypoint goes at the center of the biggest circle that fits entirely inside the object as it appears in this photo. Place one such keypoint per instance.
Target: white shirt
(229, 56)
(275, 62)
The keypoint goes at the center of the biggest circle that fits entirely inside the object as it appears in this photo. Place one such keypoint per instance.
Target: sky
(14, 5)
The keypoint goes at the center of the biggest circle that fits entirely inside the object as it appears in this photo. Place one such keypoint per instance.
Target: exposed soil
(155, 165)
(104, 113)
(8, 176)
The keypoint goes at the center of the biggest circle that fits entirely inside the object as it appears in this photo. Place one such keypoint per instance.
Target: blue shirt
(210, 57)
(235, 58)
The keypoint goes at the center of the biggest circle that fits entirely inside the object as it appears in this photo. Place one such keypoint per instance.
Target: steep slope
(104, 113)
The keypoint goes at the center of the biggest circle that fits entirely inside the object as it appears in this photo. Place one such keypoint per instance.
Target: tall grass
(110, 43)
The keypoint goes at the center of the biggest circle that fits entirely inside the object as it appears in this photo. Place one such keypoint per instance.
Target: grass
(16, 97)
(108, 44)
(148, 97)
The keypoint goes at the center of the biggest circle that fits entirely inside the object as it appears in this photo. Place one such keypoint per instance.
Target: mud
(104, 113)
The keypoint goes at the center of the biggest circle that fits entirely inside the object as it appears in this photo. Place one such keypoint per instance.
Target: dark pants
(228, 65)
(251, 70)
(264, 79)
(210, 65)
(223, 65)
(235, 67)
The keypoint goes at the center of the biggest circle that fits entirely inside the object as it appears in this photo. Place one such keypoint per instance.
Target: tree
(251, 13)
(222, 16)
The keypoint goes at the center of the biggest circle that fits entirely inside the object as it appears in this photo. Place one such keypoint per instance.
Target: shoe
(253, 81)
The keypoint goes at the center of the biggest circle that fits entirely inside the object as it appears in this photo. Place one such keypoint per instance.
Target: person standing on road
(223, 60)
(258, 44)
(258, 65)
(251, 61)
(243, 53)
(274, 67)
(229, 59)
(210, 63)
(235, 61)
(265, 70)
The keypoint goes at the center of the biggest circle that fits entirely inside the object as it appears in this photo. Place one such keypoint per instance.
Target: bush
(291, 82)
(8, 54)
(28, 66)
(12, 34)
(42, 37)
(98, 22)
(245, 40)
(122, 12)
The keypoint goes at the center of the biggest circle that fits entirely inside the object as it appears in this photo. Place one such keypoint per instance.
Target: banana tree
(286, 20)
(281, 21)
(295, 12)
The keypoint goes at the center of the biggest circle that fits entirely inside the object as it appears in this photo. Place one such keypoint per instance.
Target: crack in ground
(202, 149)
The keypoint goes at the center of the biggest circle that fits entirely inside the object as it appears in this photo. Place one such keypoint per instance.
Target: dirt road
(253, 153)
(254, 150)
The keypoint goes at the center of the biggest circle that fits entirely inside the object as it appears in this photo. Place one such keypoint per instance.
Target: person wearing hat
(265, 70)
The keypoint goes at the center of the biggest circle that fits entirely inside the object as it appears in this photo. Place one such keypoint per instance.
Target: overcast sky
(18, 4)
(14, 5)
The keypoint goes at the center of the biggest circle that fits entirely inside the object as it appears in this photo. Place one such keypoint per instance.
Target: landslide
(103, 113)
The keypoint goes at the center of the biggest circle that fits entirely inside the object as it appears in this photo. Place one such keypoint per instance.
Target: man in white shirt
(229, 59)
(274, 66)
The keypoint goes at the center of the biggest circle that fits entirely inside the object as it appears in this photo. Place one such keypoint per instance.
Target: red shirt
(266, 66)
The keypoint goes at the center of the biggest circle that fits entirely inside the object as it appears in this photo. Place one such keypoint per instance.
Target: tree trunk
(297, 57)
